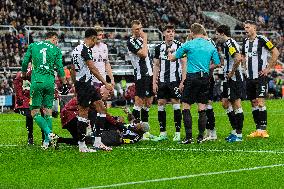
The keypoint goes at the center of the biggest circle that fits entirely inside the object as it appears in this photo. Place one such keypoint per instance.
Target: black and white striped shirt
(169, 71)
(142, 66)
(256, 53)
(230, 48)
(80, 55)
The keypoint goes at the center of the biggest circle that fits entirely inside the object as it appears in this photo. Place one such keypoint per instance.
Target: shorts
(232, 90)
(168, 91)
(256, 88)
(196, 89)
(86, 93)
(42, 95)
(144, 87)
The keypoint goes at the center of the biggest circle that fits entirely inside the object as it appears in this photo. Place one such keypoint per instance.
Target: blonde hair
(197, 28)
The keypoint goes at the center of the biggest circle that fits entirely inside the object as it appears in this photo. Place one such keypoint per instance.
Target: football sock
(239, 117)
(255, 115)
(136, 112)
(100, 124)
(262, 118)
(187, 120)
(145, 114)
(162, 118)
(177, 116)
(29, 125)
(92, 116)
(43, 125)
(231, 115)
(202, 120)
(210, 118)
(48, 120)
(82, 124)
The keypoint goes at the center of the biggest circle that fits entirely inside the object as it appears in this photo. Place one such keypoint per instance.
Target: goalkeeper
(45, 57)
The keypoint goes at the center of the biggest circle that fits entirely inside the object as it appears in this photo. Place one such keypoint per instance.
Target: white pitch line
(8, 145)
(185, 176)
(205, 150)
(176, 149)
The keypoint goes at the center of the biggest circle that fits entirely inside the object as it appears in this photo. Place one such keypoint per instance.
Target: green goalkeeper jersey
(46, 57)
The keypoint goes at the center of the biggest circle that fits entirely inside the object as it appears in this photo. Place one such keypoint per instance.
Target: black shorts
(256, 88)
(144, 87)
(168, 91)
(232, 90)
(196, 89)
(86, 93)
(211, 88)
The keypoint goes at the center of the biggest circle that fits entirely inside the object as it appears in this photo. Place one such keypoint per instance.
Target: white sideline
(185, 176)
(205, 150)
(178, 149)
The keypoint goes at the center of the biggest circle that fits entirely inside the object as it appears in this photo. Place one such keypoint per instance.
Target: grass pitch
(253, 163)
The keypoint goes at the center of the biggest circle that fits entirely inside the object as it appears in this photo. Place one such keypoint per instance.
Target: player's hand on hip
(181, 86)
(264, 72)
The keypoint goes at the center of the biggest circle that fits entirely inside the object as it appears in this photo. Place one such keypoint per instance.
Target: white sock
(81, 144)
(163, 133)
(234, 132)
(240, 135)
(98, 141)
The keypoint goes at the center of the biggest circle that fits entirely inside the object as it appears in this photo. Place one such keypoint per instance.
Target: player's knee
(176, 106)
(161, 108)
(225, 104)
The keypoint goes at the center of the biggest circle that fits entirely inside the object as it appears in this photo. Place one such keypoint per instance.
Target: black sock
(262, 118)
(29, 126)
(136, 112)
(231, 116)
(162, 120)
(69, 141)
(145, 114)
(177, 119)
(100, 124)
(202, 120)
(210, 119)
(92, 116)
(255, 115)
(82, 124)
(187, 120)
(239, 117)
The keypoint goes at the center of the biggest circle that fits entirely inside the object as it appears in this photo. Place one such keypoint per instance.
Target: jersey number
(43, 51)
(262, 91)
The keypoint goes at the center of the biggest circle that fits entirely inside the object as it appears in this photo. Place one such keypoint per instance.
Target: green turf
(23, 167)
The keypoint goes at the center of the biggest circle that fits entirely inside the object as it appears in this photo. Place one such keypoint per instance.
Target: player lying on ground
(116, 131)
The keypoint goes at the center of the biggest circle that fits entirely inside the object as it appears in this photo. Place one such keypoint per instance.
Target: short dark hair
(90, 32)
(224, 29)
(250, 22)
(135, 22)
(50, 34)
(168, 26)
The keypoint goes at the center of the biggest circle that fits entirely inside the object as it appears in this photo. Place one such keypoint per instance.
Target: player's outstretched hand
(65, 89)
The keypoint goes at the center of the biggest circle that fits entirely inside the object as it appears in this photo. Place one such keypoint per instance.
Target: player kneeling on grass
(115, 132)
(45, 57)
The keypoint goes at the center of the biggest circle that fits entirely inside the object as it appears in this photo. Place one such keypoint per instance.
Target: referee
(199, 53)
